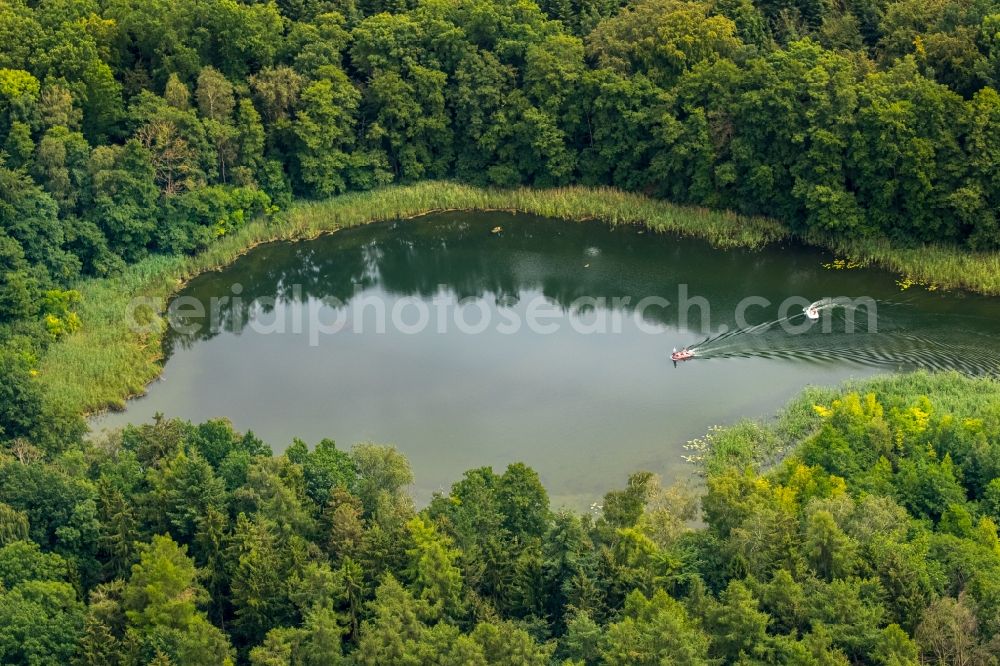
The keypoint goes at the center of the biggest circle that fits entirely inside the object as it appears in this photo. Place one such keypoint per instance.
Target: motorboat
(812, 312)
(682, 355)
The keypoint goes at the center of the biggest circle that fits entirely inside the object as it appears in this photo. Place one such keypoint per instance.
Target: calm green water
(470, 372)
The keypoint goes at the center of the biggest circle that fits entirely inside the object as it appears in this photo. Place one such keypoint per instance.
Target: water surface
(583, 405)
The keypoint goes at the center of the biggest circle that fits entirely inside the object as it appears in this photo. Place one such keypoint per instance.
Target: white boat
(812, 312)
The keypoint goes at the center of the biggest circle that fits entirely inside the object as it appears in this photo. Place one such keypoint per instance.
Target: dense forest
(873, 542)
(137, 127)
(130, 127)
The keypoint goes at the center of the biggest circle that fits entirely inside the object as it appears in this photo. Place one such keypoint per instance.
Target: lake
(471, 339)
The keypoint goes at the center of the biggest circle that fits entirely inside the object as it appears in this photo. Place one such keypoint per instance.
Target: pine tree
(436, 578)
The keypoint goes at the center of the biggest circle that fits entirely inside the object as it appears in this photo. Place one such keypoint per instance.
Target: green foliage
(20, 397)
(663, 39)
(130, 128)
(258, 584)
(324, 469)
(134, 133)
(436, 579)
(870, 542)
(623, 508)
(161, 601)
(382, 475)
(22, 561)
(325, 129)
(654, 631)
(13, 525)
(40, 623)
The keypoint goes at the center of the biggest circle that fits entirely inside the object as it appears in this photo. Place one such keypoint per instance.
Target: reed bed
(933, 265)
(760, 444)
(107, 362)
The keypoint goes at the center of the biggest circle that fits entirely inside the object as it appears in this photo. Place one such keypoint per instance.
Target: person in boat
(681, 355)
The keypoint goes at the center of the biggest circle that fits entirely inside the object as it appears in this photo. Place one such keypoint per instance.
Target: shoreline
(105, 364)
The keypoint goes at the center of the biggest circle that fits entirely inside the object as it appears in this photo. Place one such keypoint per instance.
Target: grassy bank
(939, 266)
(107, 362)
(761, 443)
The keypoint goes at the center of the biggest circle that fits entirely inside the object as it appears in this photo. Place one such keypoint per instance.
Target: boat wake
(891, 346)
(892, 351)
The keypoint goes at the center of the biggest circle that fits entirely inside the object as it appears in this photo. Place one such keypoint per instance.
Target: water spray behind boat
(740, 341)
